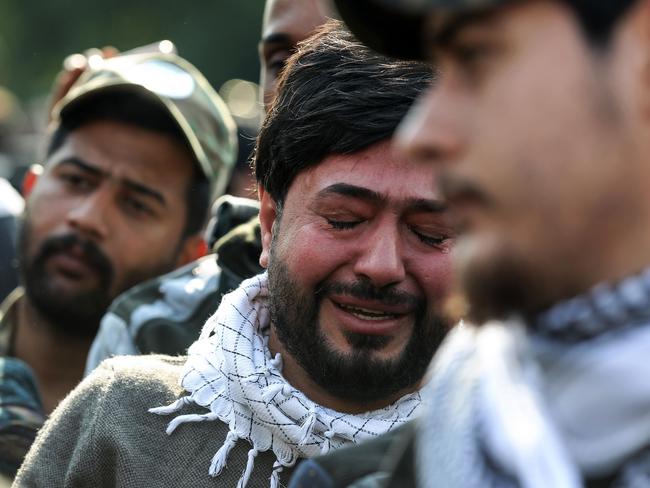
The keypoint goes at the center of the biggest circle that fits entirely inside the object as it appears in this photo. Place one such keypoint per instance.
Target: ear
(639, 17)
(194, 247)
(268, 214)
(636, 26)
(30, 179)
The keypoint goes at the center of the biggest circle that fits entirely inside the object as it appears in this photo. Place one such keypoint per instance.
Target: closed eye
(343, 224)
(434, 241)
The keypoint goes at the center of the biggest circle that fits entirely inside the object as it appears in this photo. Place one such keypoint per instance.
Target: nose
(381, 260)
(90, 216)
(432, 131)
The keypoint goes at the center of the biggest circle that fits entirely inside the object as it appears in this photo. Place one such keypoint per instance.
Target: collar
(605, 307)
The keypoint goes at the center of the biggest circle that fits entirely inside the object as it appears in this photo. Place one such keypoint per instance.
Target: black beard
(500, 287)
(359, 376)
(76, 315)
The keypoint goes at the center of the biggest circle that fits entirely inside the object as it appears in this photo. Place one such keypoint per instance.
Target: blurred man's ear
(268, 214)
(637, 24)
(30, 179)
(194, 247)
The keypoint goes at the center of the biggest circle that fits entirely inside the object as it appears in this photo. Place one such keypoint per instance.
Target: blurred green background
(219, 37)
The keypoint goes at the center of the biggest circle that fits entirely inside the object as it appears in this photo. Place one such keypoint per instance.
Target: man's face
(108, 212)
(358, 264)
(530, 131)
(286, 23)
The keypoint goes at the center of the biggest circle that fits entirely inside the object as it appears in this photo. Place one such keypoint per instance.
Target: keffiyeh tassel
(271, 391)
(220, 459)
(193, 417)
(308, 427)
(243, 481)
(276, 362)
(275, 475)
(177, 406)
(327, 445)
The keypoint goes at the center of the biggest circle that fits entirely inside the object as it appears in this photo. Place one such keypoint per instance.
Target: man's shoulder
(132, 383)
(198, 278)
(384, 461)
(104, 432)
(158, 372)
(162, 315)
(21, 413)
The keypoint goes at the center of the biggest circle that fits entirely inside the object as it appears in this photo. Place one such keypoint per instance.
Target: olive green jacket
(102, 435)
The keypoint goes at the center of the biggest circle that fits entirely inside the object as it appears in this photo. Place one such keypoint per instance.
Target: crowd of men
(443, 281)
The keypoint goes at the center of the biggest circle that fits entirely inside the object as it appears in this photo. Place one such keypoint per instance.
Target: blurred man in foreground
(165, 315)
(537, 131)
(138, 147)
(326, 348)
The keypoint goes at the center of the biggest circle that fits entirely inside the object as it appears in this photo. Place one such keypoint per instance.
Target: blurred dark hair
(599, 17)
(335, 96)
(137, 109)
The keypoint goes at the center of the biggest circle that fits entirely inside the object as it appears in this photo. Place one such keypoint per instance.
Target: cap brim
(385, 28)
(91, 93)
(179, 89)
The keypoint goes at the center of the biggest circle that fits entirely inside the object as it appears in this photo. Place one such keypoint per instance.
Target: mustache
(365, 290)
(87, 249)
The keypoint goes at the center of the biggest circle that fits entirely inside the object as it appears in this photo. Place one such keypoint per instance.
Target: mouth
(72, 265)
(367, 314)
(370, 317)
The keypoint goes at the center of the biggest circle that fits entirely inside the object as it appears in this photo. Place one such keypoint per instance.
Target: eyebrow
(87, 168)
(276, 38)
(361, 193)
(450, 30)
(130, 184)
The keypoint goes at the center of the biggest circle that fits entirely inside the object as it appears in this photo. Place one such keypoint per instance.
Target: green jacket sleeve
(65, 447)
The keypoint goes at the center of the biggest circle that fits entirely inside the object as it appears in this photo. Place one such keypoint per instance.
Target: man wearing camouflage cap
(166, 314)
(538, 129)
(139, 145)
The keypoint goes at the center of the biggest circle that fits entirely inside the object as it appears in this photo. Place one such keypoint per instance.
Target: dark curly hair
(335, 96)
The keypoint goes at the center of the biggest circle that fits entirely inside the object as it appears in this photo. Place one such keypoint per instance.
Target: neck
(299, 379)
(57, 359)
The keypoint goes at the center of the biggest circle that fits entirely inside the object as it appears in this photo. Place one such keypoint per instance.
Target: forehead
(442, 27)
(378, 168)
(294, 18)
(126, 150)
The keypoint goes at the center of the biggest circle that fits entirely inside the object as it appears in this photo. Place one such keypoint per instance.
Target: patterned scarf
(545, 403)
(231, 373)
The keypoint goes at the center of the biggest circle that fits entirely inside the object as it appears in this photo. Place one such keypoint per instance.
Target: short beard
(498, 287)
(79, 314)
(359, 376)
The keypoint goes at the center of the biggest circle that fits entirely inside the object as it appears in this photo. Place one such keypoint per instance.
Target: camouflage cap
(394, 27)
(180, 89)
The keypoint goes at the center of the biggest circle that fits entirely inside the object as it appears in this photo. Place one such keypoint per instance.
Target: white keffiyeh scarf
(231, 373)
(543, 404)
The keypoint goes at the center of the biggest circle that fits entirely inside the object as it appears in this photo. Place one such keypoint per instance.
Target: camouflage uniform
(21, 412)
